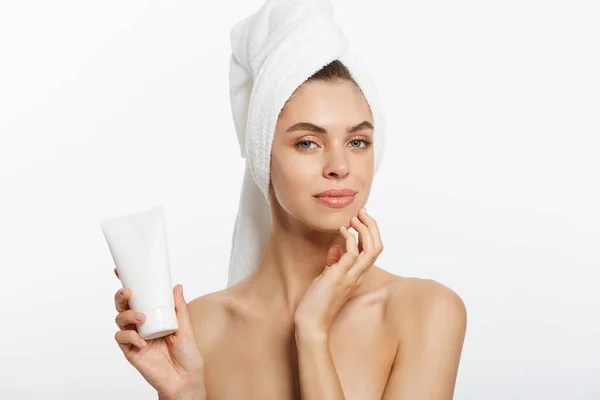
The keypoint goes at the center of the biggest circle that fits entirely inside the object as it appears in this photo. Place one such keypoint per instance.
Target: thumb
(333, 255)
(181, 309)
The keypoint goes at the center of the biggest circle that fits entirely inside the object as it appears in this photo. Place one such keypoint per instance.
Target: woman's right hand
(171, 364)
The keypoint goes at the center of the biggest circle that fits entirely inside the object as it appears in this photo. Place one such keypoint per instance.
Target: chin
(331, 221)
(322, 218)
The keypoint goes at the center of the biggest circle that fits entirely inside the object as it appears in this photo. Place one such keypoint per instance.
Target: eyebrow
(307, 126)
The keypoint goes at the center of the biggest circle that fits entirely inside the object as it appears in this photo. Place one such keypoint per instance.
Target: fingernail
(121, 292)
(139, 316)
(142, 342)
(365, 209)
(181, 290)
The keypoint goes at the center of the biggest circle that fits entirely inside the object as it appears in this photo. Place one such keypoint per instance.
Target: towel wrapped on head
(274, 51)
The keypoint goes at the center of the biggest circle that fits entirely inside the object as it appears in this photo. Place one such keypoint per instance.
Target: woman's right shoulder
(210, 315)
(216, 305)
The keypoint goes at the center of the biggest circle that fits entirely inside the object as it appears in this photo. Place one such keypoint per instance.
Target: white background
(489, 183)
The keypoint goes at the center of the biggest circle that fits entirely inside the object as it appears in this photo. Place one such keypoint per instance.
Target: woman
(307, 314)
(315, 320)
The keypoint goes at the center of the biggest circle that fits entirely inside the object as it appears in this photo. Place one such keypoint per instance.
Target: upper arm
(427, 360)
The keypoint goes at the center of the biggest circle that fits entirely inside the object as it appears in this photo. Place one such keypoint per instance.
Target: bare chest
(258, 359)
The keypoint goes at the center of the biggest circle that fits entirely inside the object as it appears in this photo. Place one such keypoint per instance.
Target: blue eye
(305, 144)
(356, 143)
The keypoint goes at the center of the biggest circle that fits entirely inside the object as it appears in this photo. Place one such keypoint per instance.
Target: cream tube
(139, 249)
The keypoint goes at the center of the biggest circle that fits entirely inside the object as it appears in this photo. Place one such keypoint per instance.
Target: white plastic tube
(139, 249)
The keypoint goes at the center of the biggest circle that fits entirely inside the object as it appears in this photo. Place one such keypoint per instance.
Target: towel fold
(274, 50)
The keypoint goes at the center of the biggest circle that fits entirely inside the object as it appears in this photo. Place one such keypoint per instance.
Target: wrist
(193, 394)
(310, 334)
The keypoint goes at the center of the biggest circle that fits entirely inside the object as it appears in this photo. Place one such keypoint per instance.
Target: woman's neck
(292, 259)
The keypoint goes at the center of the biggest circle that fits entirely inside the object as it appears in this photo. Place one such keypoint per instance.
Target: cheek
(293, 179)
(363, 171)
(366, 176)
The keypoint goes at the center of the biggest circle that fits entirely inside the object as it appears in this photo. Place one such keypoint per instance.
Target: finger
(126, 319)
(116, 273)
(367, 257)
(181, 309)
(359, 280)
(364, 235)
(351, 254)
(122, 299)
(333, 255)
(373, 228)
(362, 263)
(129, 337)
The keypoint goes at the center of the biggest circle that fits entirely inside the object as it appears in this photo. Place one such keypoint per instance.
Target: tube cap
(159, 322)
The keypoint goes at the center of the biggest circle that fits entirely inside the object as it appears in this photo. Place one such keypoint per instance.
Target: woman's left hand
(327, 294)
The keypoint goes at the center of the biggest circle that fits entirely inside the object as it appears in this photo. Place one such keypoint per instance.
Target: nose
(336, 164)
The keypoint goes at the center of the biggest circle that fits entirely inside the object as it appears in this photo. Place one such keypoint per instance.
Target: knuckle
(359, 258)
(336, 275)
(124, 318)
(347, 282)
(128, 336)
(342, 281)
(133, 336)
(129, 317)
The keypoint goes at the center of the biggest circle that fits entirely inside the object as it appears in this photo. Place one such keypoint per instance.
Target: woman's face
(323, 140)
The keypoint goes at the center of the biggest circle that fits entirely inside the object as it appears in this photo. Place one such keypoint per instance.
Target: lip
(336, 193)
(336, 198)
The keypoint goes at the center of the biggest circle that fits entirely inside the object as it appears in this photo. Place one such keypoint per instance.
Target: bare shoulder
(209, 315)
(417, 304)
(424, 294)
(208, 307)
(428, 320)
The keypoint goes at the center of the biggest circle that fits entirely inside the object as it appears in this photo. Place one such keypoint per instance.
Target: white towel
(274, 50)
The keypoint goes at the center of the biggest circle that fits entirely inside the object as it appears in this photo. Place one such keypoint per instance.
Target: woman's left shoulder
(424, 300)
(425, 291)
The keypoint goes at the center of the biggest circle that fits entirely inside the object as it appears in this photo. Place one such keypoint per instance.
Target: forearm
(318, 377)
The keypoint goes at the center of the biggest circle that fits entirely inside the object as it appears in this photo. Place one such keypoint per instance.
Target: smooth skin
(318, 319)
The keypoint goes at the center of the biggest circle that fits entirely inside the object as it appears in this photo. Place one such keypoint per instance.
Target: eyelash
(360, 139)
